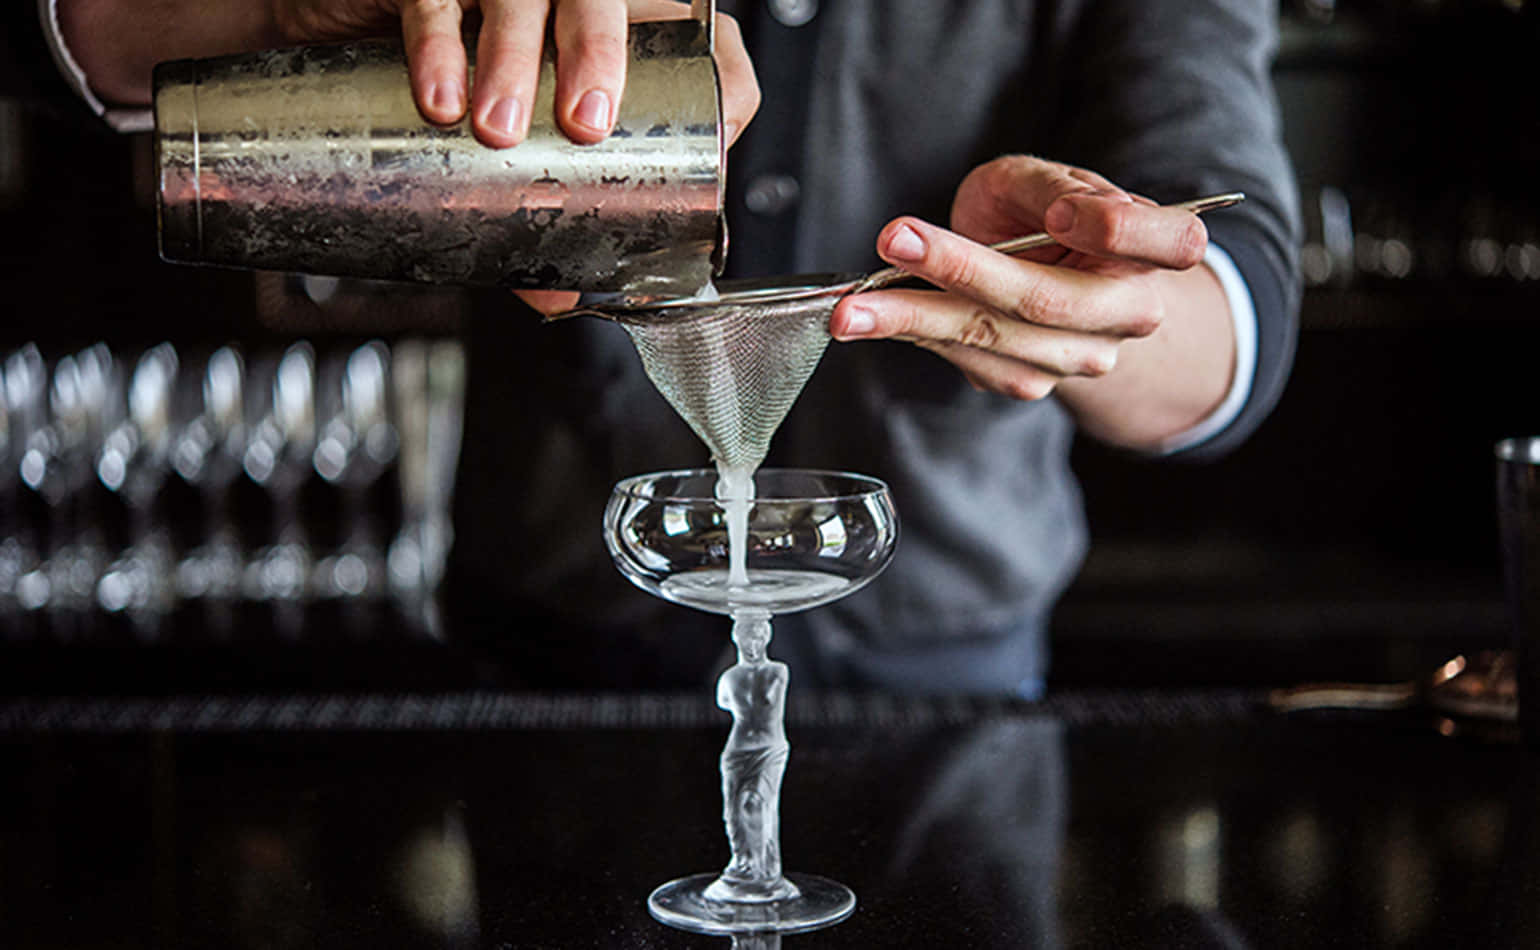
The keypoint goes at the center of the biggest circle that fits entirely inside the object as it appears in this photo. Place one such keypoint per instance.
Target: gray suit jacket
(873, 109)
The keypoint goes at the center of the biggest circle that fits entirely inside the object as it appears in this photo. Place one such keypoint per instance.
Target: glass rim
(875, 486)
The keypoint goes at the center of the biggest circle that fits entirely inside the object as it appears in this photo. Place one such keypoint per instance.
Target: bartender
(903, 130)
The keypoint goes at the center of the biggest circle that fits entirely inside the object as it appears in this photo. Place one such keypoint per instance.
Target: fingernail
(504, 115)
(593, 110)
(906, 244)
(1060, 216)
(448, 97)
(859, 321)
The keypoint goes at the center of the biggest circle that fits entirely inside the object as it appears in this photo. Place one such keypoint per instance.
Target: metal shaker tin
(316, 160)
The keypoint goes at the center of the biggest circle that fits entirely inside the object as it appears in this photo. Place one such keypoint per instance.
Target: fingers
(1131, 230)
(591, 43)
(590, 66)
(991, 372)
(1043, 294)
(987, 370)
(1008, 196)
(507, 69)
(740, 87)
(735, 71)
(1018, 194)
(948, 322)
(431, 32)
(1012, 326)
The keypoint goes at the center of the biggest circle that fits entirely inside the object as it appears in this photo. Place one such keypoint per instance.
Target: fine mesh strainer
(732, 367)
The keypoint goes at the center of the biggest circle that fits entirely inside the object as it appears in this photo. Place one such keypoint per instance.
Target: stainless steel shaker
(316, 160)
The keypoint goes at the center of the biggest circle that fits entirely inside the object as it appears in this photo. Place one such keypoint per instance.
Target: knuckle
(599, 49)
(1026, 385)
(1192, 244)
(1129, 308)
(505, 51)
(980, 330)
(1099, 362)
(897, 321)
(953, 270)
(1148, 318)
(1109, 222)
(1044, 301)
(999, 173)
(431, 9)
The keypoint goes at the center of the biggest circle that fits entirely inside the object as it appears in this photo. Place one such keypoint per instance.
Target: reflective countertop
(514, 820)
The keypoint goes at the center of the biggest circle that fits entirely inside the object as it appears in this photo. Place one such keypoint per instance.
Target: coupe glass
(812, 538)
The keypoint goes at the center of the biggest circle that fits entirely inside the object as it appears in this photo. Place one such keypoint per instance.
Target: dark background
(1354, 533)
(1352, 536)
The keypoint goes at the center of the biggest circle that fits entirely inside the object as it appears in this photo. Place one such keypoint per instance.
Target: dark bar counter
(523, 820)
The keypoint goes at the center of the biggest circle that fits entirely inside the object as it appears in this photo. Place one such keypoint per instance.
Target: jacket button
(771, 194)
(793, 12)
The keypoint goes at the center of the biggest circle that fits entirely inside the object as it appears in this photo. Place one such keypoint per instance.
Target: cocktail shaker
(315, 160)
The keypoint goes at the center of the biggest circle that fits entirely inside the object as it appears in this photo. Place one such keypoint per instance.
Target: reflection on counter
(142, 487)
(1096, 822)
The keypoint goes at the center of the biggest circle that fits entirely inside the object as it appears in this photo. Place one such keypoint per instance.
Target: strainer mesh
(732, 371)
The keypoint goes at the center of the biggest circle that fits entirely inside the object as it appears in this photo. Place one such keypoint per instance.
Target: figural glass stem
(753, 761)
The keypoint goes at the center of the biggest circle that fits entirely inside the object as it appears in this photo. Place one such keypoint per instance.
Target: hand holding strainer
(732, 366)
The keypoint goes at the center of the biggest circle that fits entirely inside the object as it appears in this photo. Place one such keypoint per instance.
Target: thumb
(1010, 196)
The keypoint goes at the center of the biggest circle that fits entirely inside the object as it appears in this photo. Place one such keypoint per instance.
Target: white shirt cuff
(139, 119)
(1243, 316)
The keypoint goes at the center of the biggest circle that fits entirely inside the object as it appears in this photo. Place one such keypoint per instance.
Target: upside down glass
(812, 537)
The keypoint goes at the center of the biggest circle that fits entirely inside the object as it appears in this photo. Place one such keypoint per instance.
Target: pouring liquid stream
(735, 490)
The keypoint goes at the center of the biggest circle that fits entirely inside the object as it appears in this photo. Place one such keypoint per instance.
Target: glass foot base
(683, 904)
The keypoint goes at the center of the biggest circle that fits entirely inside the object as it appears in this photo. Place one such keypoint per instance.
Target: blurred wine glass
(22, 414)
(428, 380)
(278, 456)
(250, 486)
(83, 403)
(356, 447)
(133, 461)
(209, 443)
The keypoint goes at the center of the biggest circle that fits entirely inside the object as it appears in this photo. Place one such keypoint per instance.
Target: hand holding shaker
(316, 160)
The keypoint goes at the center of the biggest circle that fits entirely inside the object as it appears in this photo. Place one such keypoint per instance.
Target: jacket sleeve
(27, 72)
(1174, 99)
(36, 69)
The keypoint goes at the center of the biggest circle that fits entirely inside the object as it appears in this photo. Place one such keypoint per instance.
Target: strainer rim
(748, 291)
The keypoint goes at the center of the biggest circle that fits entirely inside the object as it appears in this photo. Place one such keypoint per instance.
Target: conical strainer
(732, 367)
